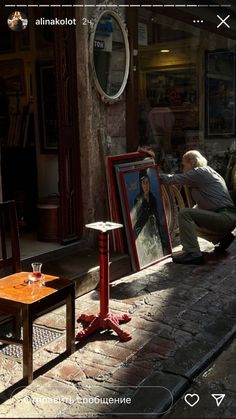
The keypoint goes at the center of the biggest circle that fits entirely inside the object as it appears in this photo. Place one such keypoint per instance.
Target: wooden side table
(30, 301)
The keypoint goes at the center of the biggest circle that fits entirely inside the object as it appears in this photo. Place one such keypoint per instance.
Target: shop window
(179, 88)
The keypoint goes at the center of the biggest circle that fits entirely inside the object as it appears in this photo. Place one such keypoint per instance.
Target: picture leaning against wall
(112, 162)
(144, 215)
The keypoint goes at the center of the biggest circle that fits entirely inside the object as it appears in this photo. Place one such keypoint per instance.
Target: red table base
(98, 322)
(105, 319)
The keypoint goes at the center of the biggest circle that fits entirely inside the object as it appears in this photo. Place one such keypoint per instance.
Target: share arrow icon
(218, 398)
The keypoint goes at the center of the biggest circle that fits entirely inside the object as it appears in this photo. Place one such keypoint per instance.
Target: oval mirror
(110, 55)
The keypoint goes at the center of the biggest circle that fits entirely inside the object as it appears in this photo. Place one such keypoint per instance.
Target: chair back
(9, 239)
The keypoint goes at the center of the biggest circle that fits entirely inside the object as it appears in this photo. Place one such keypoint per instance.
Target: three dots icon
(198, 21)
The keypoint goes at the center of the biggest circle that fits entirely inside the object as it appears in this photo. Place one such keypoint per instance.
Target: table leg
(104, 319)
(70, 321)
(27, 344)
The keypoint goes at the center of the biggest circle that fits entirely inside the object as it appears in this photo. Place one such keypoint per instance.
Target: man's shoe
(189, 259)
(224, 243)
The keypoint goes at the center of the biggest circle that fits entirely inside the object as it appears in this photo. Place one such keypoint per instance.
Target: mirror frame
(116, 15)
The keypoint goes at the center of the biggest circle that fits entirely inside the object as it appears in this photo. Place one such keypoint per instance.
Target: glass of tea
(36, 275)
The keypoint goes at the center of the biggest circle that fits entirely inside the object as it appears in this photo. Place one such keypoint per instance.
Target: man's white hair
(196, 158)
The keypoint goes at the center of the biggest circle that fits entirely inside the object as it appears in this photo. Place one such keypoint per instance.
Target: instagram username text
(54, 22)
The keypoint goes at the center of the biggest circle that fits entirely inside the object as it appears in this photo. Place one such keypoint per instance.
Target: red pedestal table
(104, 319)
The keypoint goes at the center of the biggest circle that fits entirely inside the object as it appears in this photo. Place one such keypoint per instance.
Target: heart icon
(191, 399)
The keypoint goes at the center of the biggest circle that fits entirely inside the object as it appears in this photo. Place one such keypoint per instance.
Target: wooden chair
(10, 253)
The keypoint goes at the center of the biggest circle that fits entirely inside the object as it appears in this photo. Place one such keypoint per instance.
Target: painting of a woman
(143, 214)
(146, 222)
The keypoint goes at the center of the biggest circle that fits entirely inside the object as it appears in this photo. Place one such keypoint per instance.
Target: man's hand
(147, 150)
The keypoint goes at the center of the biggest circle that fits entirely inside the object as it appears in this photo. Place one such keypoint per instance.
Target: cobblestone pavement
(182, 316)
(218, 378)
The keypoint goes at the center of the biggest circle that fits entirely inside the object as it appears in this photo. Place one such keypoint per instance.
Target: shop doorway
(40, 167)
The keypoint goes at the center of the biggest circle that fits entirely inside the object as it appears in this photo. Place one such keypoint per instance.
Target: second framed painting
(144, 215)
(112, 162)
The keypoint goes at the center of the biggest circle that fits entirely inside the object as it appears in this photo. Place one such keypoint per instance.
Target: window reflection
(109, 54)
(186, 87)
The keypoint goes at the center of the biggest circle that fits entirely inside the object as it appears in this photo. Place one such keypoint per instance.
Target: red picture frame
(119, 240)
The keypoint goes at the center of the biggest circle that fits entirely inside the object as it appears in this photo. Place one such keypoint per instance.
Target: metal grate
(41, 337)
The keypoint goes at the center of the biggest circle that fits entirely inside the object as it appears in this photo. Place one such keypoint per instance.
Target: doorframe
(132, 90)
(70, 214)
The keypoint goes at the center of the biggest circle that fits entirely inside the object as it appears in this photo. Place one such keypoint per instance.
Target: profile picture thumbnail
(17, 21)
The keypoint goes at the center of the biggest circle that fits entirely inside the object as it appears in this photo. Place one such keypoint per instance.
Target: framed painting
(175, 87)
(220, 94)
(119, 240)
(144, 215)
